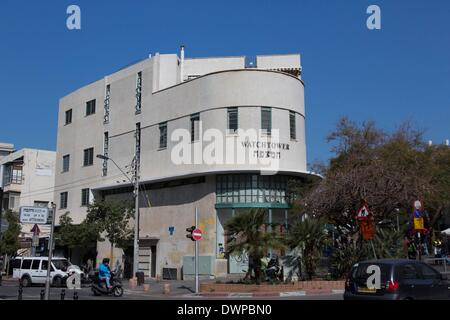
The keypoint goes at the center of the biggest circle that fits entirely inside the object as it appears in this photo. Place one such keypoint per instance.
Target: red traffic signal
(190, 231)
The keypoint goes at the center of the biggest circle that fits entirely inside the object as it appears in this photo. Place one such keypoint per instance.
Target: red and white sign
(35, 230)
(197, 234)
(363, 213)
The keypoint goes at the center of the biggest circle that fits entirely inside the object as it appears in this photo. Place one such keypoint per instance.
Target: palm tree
(246, 234)
(308, 236)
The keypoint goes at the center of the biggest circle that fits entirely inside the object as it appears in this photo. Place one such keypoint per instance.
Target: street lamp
(136, 216)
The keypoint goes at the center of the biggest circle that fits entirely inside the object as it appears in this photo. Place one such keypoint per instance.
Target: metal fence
(440, 264)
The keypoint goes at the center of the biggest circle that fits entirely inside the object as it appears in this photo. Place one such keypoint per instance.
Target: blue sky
(390, 75)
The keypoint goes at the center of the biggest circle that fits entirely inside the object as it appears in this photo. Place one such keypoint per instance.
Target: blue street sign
(171, 230)
(417, 214)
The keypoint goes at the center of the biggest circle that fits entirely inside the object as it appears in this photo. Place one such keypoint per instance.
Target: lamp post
(135, 184)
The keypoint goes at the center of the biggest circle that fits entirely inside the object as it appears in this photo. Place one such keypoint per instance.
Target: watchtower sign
(33, 215)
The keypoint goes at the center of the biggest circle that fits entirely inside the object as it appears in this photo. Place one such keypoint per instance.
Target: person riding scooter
(104, 273)
(273, 268)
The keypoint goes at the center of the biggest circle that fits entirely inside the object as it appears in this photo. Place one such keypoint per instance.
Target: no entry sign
(197, 234)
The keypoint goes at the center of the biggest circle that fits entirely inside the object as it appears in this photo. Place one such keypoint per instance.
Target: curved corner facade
(185, 122)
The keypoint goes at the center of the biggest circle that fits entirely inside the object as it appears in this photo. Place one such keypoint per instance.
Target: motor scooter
(99, 287)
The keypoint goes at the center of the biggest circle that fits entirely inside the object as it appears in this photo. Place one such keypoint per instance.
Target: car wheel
(57, 282)
(118, 291)
(26, 281)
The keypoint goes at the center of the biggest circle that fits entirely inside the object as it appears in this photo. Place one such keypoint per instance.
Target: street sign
(33, 215)
(418, 224)
(418, 205)
(197, 234)
(363, 212)
(35, 230)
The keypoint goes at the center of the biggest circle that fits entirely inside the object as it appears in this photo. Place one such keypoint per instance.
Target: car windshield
(61, 264)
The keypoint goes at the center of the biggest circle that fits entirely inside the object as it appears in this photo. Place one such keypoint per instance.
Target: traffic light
(190, 230)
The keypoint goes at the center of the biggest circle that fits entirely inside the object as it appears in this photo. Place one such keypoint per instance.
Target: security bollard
(75, 296)
(20, 293)
(42, 294)
(63, 294)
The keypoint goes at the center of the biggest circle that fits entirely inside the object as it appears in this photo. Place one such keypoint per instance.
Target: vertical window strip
(107, 104)
(105, 153)
(163, 135)
(266, 120)
(233, 119)
(139, 92)
(292, 125)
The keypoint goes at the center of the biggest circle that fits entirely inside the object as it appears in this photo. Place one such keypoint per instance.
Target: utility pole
(196, 252)
(137, 158)
(50, 252)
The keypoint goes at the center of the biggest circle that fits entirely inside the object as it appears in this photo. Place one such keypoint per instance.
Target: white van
(33, 270)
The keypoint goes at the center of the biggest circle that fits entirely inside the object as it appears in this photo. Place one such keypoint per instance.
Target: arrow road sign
(35, 230)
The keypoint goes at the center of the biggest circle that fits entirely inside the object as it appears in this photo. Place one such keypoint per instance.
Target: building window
(163, 135)
(107, 104)
(105, 153)
(69, 116)
(292, 125)
(90, 107)
(252, 188)
(232, 120)
(88, 158)
(139, 92)
(66, 163)
(266, 120)
(63, 200)
(12, 174)
(195, 126)
(84, 197)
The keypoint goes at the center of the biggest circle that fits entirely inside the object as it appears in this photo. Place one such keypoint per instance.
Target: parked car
(33, 270)
(401, 279)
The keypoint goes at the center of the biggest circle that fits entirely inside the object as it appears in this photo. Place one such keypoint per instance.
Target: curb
(300, 293)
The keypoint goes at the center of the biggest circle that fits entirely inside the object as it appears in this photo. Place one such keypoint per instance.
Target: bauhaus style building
(144, 110)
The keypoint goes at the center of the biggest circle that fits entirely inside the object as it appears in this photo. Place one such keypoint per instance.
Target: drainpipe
(182, 63)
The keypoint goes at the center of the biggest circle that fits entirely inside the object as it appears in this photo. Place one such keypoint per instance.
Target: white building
(141, 107)
(27, 179)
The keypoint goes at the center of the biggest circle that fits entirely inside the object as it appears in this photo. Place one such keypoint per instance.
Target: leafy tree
(246, 234)
(73, 236)
(309, 236)
(112, 218)
(9, 243)
(389, 171)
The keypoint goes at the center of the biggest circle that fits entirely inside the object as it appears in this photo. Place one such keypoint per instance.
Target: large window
(163, 135)
(84, 197)
(266, 120)
(292, 125)
(251, 188)
(63, 200)
(66, 163)
(88, 157)
(69, 116)
(90, 107)
(232, 120)
(195, 127)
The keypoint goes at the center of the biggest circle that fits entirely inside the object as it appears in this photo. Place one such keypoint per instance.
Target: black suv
(401, 279)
